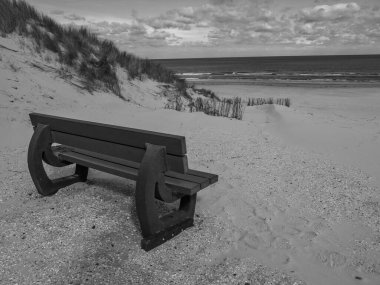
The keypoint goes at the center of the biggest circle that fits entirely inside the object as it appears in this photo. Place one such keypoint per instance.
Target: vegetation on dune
(94, 59)
(205, 92)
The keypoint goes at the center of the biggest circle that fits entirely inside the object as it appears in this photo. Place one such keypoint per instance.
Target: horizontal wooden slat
(175, 163)
(105, 166)
(203, 182)
(174, 144)
(113, 159)
(176, 185)
(213, 178)
(179, 186)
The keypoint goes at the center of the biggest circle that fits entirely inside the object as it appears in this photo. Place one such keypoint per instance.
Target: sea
(334, 68)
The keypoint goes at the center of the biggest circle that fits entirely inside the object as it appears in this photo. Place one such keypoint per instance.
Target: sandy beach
(340, 123)
(297, 200)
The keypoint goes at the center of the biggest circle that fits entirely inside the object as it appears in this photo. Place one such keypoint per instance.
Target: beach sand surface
(282, 212)
(342, 124)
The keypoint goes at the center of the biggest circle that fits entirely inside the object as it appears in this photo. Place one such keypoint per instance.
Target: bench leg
(39, 150)
(156, 230)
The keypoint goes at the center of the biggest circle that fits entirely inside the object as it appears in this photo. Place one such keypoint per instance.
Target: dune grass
(205, 92)
(94, 59)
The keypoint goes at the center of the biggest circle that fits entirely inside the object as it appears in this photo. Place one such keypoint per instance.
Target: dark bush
(205, 93)
(50, 44)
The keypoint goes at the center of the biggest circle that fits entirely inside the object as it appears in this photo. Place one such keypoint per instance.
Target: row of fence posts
(230, 108)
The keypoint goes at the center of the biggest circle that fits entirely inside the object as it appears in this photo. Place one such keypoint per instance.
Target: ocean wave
(194, 73)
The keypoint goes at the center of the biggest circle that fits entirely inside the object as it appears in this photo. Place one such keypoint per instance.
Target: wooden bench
(156, 161)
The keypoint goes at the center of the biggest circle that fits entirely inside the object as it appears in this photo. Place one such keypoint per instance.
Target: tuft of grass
(176, 104)
(47, 58)
(50, 43)
(14, 67)
(205, 92)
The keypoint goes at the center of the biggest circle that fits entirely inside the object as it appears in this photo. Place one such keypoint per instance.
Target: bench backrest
(119, 142)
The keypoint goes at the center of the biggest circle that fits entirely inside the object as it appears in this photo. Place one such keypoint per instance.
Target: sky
(226, 28)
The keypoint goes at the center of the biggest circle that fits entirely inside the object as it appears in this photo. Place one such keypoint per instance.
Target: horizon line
(266, 56)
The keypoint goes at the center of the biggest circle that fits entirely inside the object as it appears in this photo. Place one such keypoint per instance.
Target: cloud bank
(247, 24)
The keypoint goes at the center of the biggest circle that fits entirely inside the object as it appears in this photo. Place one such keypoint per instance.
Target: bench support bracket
(40, 150)
(150, 184)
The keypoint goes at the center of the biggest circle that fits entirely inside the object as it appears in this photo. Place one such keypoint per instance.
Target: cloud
(257, 24)
(57, 12)
(177, 18)
(336, 12)
(133, 34)
(74, 17)
(222, 2)
(118, 29)
(224, 20)
(337, 25)
(160, 38)
(158, 35)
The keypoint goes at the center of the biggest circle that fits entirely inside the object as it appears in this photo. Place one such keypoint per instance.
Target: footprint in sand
(256, 242)
(331, 258)
(286, 230)
(258, 224)
(298, 222)
(262, 211)
(280, 258)
(263, 245)
(281, 243)
(268, 238)
(306, 238)
(252, 241)
(318, 224)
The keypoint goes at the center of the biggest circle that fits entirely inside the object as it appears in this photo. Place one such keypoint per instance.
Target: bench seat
(182, 184)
